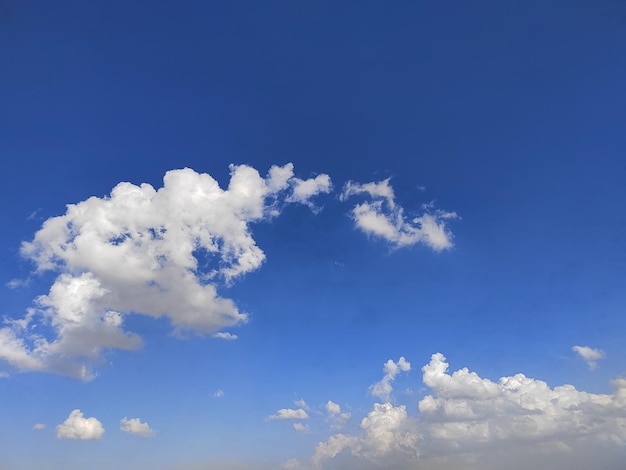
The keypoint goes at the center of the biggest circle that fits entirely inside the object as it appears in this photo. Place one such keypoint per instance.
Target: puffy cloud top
(165, 252)
(475, 423)
(76, 426)
(155, 252)
(135, 426)
(384, 388)
(333, 408)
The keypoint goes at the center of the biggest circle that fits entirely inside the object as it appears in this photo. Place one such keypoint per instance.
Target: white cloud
(16, 283)
(336, 418)
(160, 253)
(304, 190)
(391, 369)
(385, 219)
(589, 355)
(383, 431)
(219, 393)
(14, 351)
(382, 189)
(301, 404)
(76, 426)
(288, 413)
(226, 336)
(474, 423)
(39, 426)
(333, 408)
(330, 448)
(135, 426)
(299, 427)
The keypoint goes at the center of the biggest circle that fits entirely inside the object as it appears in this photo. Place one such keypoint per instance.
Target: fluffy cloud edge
(384, 388)
(384, 218)
(136, 426)
(589, 355)
(77, 427)
(472, 422)
(289, 413)
(177, 243)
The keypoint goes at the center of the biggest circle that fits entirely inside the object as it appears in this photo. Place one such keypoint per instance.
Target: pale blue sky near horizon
(503, 121)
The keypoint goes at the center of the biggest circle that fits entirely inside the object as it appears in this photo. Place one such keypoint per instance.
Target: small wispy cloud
(17, 283)
(299, 427)
(135, 426)
(33, 214)
(385, 219)
(335, 416)
(226, 336)
(219, 393)
(301, 404)
(39, 426)
(589, 355)
(289, 413)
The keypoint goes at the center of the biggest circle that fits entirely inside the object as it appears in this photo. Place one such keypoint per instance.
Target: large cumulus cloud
(156, 252)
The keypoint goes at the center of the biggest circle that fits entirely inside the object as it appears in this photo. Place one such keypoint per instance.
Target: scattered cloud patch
(391, 369)
(301, 404)
(76, 426)
(385, 219)
(289, 413)
(299, 427)
(135, 426)
(332, 408)
(177, 244)
(305, 190)
(39, 426)
(17, 283)
(589, 355)
(226, 336)
(33, 214)
(336, 417)
(218, 393)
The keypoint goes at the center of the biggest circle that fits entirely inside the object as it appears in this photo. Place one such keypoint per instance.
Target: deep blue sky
(510, 114)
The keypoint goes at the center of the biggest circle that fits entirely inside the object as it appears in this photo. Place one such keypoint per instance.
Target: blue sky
(360, 221)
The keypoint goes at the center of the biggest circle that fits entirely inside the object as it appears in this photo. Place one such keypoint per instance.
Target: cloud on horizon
(474, 423)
